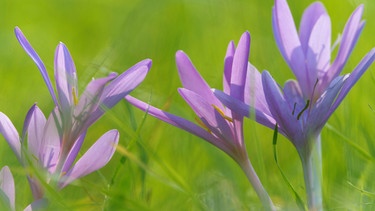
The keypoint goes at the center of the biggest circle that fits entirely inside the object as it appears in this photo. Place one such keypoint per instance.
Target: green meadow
(160, 167)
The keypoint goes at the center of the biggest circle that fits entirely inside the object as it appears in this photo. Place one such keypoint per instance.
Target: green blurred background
(157, 166)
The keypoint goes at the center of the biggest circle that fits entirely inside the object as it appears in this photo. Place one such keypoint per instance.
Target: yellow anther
(222, 113)
(75, 98)
(202, 124)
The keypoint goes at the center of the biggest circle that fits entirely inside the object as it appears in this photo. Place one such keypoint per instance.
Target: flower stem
(258, 187)
(312, 170)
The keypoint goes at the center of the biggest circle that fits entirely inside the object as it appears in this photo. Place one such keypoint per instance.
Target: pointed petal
(97, 156)
(120, 87)
(34, 56)
(50, 146)
(228, 61)
(35, 130)
(308, 21)
(287, 39)
(10, 134)
(66, 77)
(352, 30)
(354, 77)
(73, 153)
(239, 67)
(280, 109)
(318, 54)
(180, 123)
(7, 186)
(192, 80)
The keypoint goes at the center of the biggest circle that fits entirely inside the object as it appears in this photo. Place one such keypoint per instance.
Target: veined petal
(66, 77)
(10, 134)
(287, 39)
(239, 67)
(351, 33)
(35, 57)
(120, 87)
(97, 156)
(179, 122)
(280, 109)
(354, 77)
(228, 61)
(192, 80)
(35, 130)
(7, 185)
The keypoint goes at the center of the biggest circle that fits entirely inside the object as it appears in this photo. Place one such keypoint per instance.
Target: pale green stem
(311, 158)
(257, 185)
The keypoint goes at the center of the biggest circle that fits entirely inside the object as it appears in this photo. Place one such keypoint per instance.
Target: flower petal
(97, 156)
(89, 102)
(280, 109)
(287, 39)
(228, 61)
(120, 87)
(322, 109)
(239, 67)
(181, 123)
(66, 78)
(10, 134)
(73, 153)
(351, 33)
(192, 80)
(34, 56)
(354, 77)
(7, 185)
(35, 129)
(309, 19)
(243, 109)
(50, 146)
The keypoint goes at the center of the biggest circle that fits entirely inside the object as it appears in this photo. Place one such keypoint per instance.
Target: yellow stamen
(202, 124)
(222, 113)
(75, 98)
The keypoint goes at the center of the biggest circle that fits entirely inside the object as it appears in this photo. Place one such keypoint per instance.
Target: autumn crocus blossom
(218, 125)
(303, 106)
(54, 143)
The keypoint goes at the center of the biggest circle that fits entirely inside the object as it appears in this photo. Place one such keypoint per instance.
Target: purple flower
(8, 192)
(217, 124)
(77, 114)
(41, 148)
(7, 187)
(303, 106)
(53, 144)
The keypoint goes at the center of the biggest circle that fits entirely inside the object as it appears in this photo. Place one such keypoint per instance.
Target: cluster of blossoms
(298, 111)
